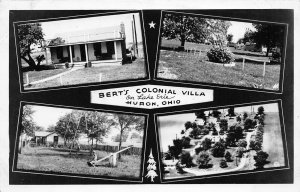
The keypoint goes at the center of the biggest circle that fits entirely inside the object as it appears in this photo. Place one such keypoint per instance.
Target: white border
(87, 176)
(283, 134)
(89, 84)
(215, 84)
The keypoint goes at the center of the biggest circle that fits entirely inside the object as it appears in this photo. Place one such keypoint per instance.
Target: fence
(256, 60)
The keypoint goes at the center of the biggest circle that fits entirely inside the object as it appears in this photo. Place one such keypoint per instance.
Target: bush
(223, 124)
(186, 142)
(239, 152)
(220, 55)
(260, 159)
(228, 156)
(205, 131)
(242, 143)
(188, 125)
(223, 164)
(248, 124)
(255, 145)
(203, 160)
(186, 159)
(215, 132)
(67, 65)
(206, 144)
(218, 150)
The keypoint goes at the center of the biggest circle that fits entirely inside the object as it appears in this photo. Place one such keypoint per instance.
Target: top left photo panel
(80, 50)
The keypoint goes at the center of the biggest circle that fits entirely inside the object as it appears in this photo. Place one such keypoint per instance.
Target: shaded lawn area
(53, 160)
(194, 68)
(135, 70)
(272, 140)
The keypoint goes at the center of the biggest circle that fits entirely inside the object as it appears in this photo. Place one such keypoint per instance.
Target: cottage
(98, 46)
(45, 138)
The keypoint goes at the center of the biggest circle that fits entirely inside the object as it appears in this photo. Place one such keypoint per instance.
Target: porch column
(86, 53)
(71, 56)
(116, 54)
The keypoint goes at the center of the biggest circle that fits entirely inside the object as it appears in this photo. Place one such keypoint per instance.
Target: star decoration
(152, 25)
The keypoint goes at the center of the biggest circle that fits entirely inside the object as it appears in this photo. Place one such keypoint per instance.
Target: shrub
(186, 142)
(260, 110)
(203, 160)
(215, 132)
(186, 158)
(188, 125)
(230, 139)
(198, 150)
(223, 124)
(238, 119)
(228, 156)
(255, 145)
(218, 150)
(223, 164)
(245, 115)
(260, 159)
(89, 64)
(216, 113)
(220, 55)
(276, 56)
(195, 132)
(239, 152)
(67, 65)
(248, 124)
(206, 144)
(242, 143)
(205, 131)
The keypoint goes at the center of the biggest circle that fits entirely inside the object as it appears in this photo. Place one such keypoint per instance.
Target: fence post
(243, 63)
(264, 72)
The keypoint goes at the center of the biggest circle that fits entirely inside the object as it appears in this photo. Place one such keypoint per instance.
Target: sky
(51, 28)
(238, 29)
(171, 125)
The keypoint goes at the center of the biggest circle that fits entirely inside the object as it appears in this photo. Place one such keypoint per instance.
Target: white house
(98, 46)
(45, 137)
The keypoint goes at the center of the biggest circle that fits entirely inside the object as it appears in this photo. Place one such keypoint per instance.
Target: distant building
(45, 137)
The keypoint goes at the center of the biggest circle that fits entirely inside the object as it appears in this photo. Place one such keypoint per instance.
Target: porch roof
(42, 133)
(86, 36)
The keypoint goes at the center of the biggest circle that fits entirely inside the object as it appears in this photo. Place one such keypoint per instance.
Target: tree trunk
(267, 53)
(182, 39)
(30, 61)
(120, 143)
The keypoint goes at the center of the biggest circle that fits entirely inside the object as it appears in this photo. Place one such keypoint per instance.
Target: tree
(97, 126)
(239, 152)
(187, 125)
(176, 149)
(223, 124)
(238, 119)
(200, 114)
(223, 163)
(151, 167)
(245, 115)
(228, 156)
(260, 159)
(242, 143)
(260, 110)
(193, 29)
(203, 159)
(28, 35)
(126, 123)
(28, 125)
(186, 159)
(268, 35)
(216, 113)
(229, 37)
(255, 145)
(206, 144)
(248, 124)
(218, 150)
(231, 112)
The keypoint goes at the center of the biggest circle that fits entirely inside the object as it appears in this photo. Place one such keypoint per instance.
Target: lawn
(194, 67)
(135, 70)
(60, 161)
(272, 141)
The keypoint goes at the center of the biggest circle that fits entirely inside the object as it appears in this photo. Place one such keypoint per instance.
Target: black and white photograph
(82, 142)
(222, 140)
(204, 49)
(96, 49)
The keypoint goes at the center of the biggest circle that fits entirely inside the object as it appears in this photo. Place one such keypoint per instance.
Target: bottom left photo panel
(71, 141)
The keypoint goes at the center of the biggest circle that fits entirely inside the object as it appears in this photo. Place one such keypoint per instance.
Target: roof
(83, 36)
(42, 133)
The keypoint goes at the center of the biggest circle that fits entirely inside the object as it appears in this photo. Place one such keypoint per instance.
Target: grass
(272, 141)
(60, 161)
(135, 70)
(193, 67)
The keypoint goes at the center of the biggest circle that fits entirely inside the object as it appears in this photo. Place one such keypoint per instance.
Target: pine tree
(151, 167)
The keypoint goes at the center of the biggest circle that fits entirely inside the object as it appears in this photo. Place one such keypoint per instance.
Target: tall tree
(127, 122)
(28, 35)
(229, 38)
(193, 29)
(28, 125)
(268, 35)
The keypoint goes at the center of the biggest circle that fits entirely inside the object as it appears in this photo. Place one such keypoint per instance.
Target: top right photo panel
(220, 51)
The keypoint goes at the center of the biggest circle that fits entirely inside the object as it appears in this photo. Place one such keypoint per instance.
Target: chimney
(122, 30)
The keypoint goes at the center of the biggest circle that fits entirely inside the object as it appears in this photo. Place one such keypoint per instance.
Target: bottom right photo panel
(222, 140)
